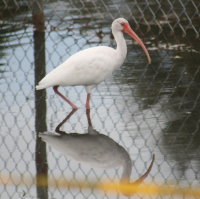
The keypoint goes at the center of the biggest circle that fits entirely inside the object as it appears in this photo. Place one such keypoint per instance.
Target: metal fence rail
(146, 109)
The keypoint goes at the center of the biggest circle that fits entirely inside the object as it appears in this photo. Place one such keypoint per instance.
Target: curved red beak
(127, 29)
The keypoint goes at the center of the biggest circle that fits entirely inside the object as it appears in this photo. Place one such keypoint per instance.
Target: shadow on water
(172, 82)
(95, 149)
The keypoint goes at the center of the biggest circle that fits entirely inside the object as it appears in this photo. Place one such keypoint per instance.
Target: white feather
(87, 67)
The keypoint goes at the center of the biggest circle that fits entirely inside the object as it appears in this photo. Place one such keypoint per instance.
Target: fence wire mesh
(147, 109)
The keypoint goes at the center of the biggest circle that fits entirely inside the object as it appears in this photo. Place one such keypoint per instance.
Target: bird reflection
(94, 148)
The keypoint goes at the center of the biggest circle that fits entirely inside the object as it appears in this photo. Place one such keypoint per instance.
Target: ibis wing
(87, 67)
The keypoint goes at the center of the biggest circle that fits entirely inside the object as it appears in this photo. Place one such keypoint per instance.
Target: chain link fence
(146, 109)
(158, 16)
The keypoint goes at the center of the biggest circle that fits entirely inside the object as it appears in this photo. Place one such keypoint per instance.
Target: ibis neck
(127, 168)
(121, 44)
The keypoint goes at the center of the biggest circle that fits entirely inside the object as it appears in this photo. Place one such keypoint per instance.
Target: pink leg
(55, 88)
(88, 101)
(88, 117)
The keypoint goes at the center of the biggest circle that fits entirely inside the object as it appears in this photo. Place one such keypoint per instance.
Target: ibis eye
(122, 23)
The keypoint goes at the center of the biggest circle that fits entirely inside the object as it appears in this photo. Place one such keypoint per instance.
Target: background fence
(180, 15)
(145, 108)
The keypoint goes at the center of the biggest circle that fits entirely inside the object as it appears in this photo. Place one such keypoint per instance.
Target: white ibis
(91, 66)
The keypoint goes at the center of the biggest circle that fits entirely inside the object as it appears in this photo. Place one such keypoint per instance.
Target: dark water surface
(147, 109)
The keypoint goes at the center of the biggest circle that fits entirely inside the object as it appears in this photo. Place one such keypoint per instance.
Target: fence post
(40, 103)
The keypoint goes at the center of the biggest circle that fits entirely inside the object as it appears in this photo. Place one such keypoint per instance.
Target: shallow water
(147, 109)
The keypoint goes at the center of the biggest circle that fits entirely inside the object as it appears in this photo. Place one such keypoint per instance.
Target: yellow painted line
(108, 187)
